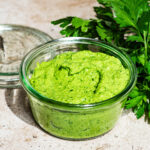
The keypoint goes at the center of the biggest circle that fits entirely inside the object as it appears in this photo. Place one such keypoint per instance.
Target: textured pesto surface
(80, 77)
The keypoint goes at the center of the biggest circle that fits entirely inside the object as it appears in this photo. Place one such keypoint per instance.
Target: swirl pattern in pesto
(82, 77)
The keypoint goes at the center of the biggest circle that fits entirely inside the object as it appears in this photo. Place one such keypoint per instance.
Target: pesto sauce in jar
(82, 77)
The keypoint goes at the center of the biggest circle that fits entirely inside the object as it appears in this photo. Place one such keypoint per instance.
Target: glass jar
(74, 121)
(15, 42)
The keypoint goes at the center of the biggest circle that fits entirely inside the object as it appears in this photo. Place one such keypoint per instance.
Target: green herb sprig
(125, 23)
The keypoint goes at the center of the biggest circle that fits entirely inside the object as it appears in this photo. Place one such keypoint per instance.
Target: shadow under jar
(74, 121)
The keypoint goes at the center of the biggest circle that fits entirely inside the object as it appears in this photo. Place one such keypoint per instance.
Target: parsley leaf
(133, 102)
(78, 22)
(139, 111)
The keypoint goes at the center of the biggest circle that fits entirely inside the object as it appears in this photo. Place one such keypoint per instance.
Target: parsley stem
(145, 46)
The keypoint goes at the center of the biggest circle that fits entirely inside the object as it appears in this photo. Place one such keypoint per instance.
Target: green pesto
(80, 77)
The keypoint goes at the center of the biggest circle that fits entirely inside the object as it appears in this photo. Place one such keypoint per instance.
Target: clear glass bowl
(74, 121)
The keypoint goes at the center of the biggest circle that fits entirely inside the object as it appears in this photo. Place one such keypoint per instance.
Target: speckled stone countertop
(18, 131)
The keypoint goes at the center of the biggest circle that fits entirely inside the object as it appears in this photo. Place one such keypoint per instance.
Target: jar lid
(15, 42)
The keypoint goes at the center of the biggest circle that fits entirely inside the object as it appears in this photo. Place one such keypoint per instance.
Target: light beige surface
(18, 131)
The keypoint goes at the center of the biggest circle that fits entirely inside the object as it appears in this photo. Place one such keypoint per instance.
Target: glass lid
(15, 42)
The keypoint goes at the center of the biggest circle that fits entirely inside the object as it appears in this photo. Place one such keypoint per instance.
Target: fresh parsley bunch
(125, 23)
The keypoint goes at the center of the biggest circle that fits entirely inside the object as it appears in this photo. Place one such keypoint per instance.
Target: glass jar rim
(28, 87)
